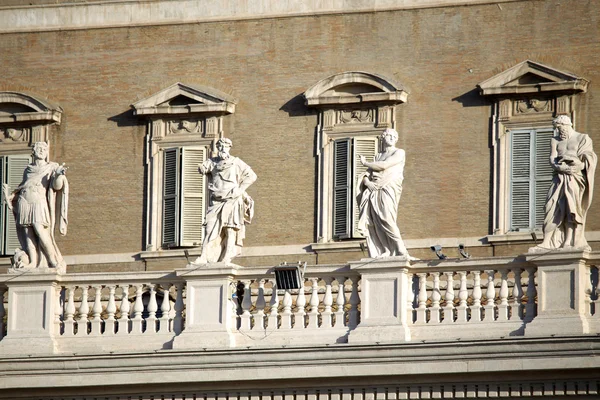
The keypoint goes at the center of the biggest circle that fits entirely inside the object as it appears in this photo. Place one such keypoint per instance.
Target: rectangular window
(347, 170)
(183, 197)
(11, 173)
(530, 177)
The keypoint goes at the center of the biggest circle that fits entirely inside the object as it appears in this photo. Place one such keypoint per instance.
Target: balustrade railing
(328, 300)
(472, 296)
(120, 308)
(242, 306)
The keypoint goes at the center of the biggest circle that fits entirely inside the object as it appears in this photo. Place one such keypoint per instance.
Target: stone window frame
(24, 120)
(184, 118)
(351, 106)
(527, 96)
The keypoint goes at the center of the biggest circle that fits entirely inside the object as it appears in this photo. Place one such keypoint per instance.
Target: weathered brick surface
(440, 54)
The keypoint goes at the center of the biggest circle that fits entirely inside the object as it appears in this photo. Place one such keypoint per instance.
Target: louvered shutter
(368, 147)
(543, 173)
(15, 167)
(193, 195)
(520, 180)
(342, 182)
(170, 214)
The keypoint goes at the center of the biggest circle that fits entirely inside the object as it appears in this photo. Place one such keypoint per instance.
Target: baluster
(58, 310)
(2, 312)
(165, 309)
(274, 304)
(503, 306)
(436, 296)
(123, 328)
(530, 310)
(96, 323)
(476, 307)
(179, 307)
(138, 308)
(286, 314)
(449, 297)
(152, 309)
(422, 297)
(340, 301)
(490, 295)
(516, 312)
(300, 314)
(326, 315)
(313, 314)
(410, 301)
(111, 309)
(260, 304)
(69, 312)
(353, 317)
(246, 317)
(463, 295)
(84, 309)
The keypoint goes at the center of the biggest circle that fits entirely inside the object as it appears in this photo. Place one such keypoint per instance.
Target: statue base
(60, 270)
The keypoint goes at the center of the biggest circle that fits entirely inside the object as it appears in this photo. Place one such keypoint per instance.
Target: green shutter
(341, 188)
(170, 214)
(520, 180)
(193, 195)
(543, 173)
(368, 147)
(15, 168)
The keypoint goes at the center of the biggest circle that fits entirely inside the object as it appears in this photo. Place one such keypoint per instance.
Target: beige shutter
(341, 188)
(15, 167)
(170, 214)
(520, 177)
(368, 147)
(543, 172)
(193, 195)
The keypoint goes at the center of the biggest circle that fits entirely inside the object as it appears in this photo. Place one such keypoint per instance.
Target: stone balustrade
(364, 302)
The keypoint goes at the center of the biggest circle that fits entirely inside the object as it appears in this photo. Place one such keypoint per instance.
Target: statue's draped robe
(35, 203)
(223, 211)
(570, 196)
(379, 210)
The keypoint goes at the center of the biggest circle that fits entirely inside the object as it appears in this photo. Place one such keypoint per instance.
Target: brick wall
(439, 54)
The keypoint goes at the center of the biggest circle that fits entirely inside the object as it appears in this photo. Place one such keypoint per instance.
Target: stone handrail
(368, 301)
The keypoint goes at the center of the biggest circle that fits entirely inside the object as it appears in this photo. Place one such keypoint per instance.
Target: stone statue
(229, 207)
(34, 205)
(574, 162)
(379, 194)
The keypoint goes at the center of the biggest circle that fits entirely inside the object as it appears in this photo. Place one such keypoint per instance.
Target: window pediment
(184, 99)
(20, 107)
(353, 88)
(532, 77)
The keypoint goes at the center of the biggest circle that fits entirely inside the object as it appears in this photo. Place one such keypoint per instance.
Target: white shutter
(368, 147)
(520, 180)
(341, 188)
(15, 168)
(193, 195)
(170, 214)
(543, 173)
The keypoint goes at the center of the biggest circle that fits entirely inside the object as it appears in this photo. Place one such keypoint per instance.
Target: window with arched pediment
(525, 99)
(184, 124)
(353, 109)
(24, 120)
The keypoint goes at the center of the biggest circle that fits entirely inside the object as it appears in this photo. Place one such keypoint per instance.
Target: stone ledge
(126, 13)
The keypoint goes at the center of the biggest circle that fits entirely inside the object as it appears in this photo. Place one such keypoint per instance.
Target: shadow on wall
(295, 107)
(127, 118)
(472, 98)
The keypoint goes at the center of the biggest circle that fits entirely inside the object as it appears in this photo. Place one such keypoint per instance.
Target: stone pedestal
(33, 298)
(562, 278)
(210, 311)
(384, 297)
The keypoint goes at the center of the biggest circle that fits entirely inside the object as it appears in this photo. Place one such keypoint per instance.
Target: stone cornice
(125, 13)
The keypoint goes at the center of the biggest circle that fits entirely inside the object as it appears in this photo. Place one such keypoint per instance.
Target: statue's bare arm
(394, 159)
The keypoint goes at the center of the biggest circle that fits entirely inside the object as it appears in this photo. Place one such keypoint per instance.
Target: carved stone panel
(15, 135)
(532, 106)
(184, 127)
